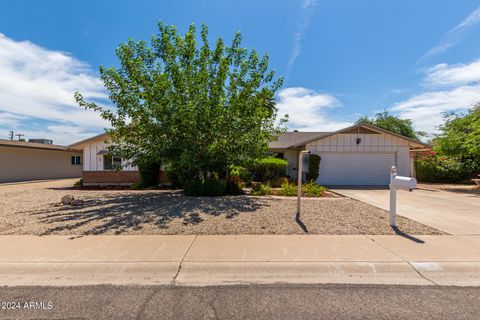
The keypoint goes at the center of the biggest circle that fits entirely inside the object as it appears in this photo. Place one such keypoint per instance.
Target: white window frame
(112, 162)
(75, 163)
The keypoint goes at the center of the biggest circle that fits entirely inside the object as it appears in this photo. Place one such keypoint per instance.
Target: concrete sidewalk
(213, 260)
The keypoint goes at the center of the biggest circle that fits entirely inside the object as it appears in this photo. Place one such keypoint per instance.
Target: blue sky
(340, 59)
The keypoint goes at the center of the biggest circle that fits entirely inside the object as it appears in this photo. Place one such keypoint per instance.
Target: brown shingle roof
(286, 140)
(24, 144)
(78, 145)
(295, 139)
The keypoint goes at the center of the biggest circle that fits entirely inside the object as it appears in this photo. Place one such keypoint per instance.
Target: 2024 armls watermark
(26, 305)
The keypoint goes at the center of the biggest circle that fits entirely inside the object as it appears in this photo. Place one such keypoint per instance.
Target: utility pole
(20, 135)
(11, 135)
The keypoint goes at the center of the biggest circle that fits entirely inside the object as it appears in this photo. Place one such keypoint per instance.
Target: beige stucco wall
(292, 157)
(24, 164)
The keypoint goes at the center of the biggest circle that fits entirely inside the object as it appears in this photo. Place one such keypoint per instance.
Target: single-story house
(357, 155)
(100, 167)
(26, 161)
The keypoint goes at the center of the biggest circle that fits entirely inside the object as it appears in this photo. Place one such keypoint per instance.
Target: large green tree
(460, 135)
(392, 123)
(195, 107)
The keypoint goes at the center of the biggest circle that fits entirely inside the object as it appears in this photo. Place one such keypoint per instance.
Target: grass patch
(313, 189)
(261, 189)
(288, 190)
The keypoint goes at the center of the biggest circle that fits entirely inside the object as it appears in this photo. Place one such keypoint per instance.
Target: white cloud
(307, 109)
(469, 21)
(426, 109)
(453, 75)
(37, 85)
(448, 88)
(454, 36)
(303, 23)
(10, 119)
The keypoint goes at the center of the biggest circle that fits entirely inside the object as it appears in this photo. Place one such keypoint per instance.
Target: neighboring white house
(357, 155)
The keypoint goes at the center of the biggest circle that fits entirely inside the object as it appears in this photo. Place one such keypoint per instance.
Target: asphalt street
(241, 302)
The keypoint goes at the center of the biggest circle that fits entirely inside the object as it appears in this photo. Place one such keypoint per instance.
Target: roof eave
(291, 147)
(34, 147)
(380, 130)
(79, 144)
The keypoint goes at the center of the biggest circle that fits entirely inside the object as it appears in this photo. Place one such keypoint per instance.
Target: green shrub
(149, 173)
(173, 177)
(312, 189)
(207, 187)
(234, 186)
(268, 169)
(313, 167)
(137, 186)
(261, 189)
(242, 173)
(180, 176)
(431, 167)
(277, 182)
(288, 190)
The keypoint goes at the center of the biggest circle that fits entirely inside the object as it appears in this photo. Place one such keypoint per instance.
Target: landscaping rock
(66, 200)
(76, 202)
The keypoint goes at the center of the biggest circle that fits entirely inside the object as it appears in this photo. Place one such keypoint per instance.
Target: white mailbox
(400, 182)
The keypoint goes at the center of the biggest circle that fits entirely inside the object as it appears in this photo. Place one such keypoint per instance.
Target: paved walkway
(454, 213)
(212, 260)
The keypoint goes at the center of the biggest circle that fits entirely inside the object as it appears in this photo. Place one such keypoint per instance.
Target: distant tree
(195, 108)
(392, 123)
(460, 135)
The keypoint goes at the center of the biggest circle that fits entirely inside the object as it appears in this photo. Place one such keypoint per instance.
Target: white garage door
(355, 169)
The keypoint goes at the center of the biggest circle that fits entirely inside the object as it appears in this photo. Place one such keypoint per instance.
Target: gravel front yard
(31, 209)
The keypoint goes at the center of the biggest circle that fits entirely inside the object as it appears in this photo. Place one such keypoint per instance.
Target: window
(76, 160)
(111, 162)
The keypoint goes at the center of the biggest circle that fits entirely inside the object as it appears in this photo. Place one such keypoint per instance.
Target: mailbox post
(393, 197)
(299, 179)
(398, 182)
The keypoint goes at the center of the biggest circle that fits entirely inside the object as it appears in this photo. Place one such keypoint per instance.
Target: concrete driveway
(455, 213)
